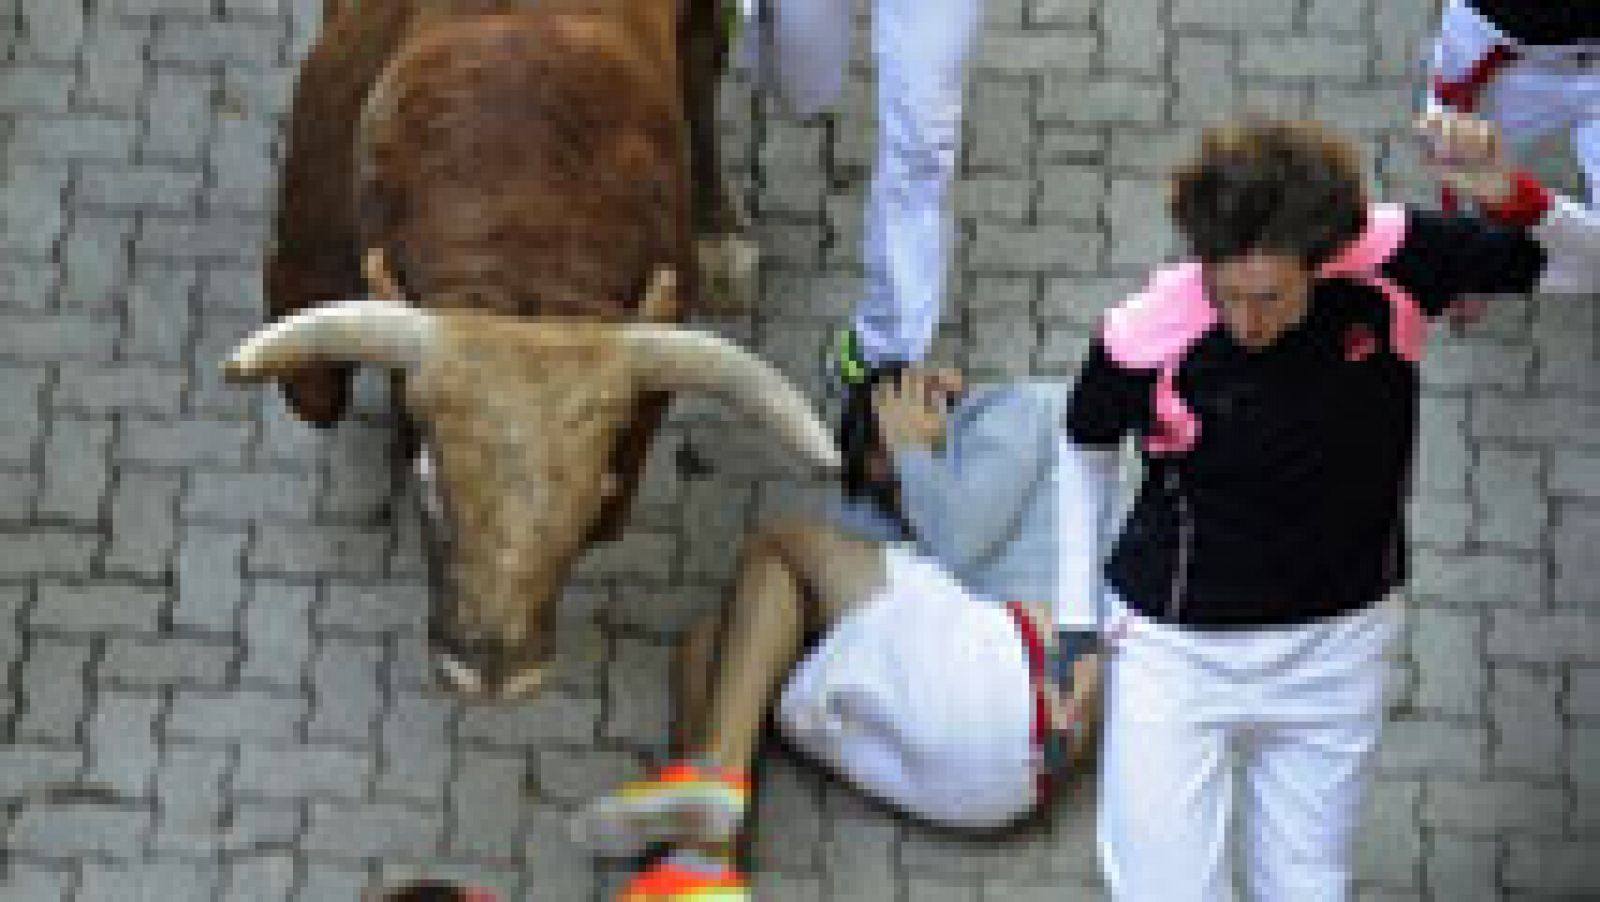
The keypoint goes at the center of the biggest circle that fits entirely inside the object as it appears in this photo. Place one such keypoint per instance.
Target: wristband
(1525, 206)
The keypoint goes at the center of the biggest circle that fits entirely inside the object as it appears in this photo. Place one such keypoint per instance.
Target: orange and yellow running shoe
(667, 882)
(683, 803)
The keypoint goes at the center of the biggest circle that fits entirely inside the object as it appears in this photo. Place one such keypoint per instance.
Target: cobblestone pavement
(210, 617)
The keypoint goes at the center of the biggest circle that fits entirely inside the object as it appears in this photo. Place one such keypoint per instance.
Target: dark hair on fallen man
(858, 432)
(1280, 187)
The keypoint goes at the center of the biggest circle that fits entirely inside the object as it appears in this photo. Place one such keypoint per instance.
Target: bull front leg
(315, 255)
(726, 257)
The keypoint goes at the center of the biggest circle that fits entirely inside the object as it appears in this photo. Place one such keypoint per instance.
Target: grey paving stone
(1574, 535)
(190, 786)
(32, 882)
(53, 338)
(1233, 15)
(416, 744)
(551, 717)
(1583, 696)
(31, 769)
(31, 201)
(123, 748)
(1541, 636)
(250, 496)
(346, 698)
(1463, 868)
(184, 443)
(178, 111)
(1448, 651)
(1426, 747)
(261, 878)
(95, 260)
(639, 708)
(130, 388)
(488, 802)
(143, 514)
(1527, 720)
(373, 607)
(53, 686)
(100, 139)
(570, 775)
(234, 716)
(177, 881)
(262, 827)
(372, 829)
(1388, 848)
(88, 830)
(112, 64)
(1072, 98)
(1537, 419)
(277, 634)
(285, 771)
(1552, 867)
(330, 880)
(98, 606)
(1495, 807)
(1488, 579)
(210, 582)
(140, 662)
(201, 43)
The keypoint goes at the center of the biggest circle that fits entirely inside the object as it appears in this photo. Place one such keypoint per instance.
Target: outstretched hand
(1467, 154)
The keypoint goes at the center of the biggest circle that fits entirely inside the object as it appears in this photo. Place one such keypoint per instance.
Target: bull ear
(671, 359)
(385, 333)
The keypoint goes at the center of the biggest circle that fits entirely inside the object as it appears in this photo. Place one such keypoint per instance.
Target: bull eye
(428, 482)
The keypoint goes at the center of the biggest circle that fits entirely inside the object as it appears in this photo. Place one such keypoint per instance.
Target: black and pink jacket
(1276, 480)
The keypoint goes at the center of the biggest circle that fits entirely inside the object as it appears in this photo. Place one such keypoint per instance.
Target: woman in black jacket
(1273, 384)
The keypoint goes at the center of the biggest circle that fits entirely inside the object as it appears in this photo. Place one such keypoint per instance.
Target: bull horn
(673, 359)
(385, 333)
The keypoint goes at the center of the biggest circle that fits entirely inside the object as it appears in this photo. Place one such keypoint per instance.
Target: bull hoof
(728, 271)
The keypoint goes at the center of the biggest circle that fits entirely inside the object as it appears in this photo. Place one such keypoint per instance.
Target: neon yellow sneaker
(683, 803)
(668, 881)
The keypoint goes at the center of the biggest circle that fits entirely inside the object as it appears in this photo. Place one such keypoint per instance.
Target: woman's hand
(1074, 710)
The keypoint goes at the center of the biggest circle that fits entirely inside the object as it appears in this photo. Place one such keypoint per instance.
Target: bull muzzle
(477, 664)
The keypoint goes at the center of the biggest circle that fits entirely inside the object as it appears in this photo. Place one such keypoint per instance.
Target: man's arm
(1107, 404)
(1088, 488)
(1568, 231)
(964, 500)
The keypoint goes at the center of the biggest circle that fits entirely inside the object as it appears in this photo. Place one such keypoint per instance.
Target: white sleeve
(1570, 235)
(1088, 493)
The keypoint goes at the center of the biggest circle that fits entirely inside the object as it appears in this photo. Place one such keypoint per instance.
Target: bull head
(521, 416)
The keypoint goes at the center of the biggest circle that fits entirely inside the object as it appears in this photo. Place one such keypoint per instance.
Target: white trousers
(1296, 712)
(920, 48)
(1542, 93)
(921, 697)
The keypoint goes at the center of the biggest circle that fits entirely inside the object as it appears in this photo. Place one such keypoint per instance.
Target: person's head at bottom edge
(433, 891)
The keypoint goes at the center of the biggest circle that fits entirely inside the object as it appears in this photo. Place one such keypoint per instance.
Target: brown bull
(490, 160)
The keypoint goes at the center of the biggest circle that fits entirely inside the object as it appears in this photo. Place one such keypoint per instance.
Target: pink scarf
(1155, 328)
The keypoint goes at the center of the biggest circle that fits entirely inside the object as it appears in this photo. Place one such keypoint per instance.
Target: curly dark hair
(1283, 187)
(858, 431)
